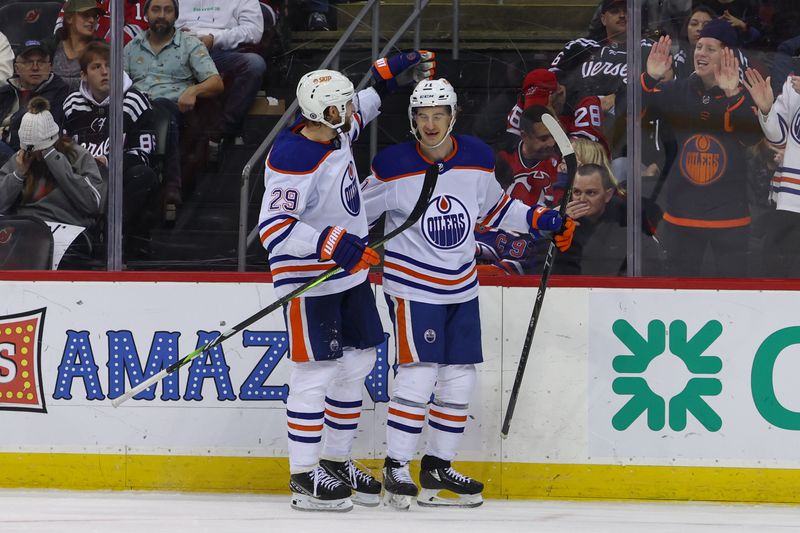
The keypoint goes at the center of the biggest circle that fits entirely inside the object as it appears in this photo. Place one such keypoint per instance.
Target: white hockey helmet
(320, 89)
(432, 93)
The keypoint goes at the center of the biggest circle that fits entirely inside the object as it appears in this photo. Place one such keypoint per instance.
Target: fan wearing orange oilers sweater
(312, 218)
(431, 286)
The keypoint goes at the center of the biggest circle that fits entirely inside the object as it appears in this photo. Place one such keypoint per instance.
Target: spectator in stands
(174, 69)
(32, 77)
(135, 22)
(684, 58)
(706, 189)
(80, 21)
(658, 17)
(540, 87)
(741, 14)
(85, 120)
(224, 26)
(785, 62)
(50, 177)
(6, 60)
(601, 235)
(530, 169)
(598, 67)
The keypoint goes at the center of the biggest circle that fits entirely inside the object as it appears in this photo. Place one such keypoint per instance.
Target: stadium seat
(22, 21)
(25, 243)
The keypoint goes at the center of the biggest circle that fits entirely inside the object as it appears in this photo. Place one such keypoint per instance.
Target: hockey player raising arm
(431, 285)
(311, 219)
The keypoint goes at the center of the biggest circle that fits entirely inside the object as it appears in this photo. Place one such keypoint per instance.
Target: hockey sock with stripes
(343, 403)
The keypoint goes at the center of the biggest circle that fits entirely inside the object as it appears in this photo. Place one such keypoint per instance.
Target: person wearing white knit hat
(51, 177)
(38, 130)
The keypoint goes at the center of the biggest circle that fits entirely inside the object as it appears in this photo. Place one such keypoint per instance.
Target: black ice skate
(437, 475)
(319, 491)
(398, 486)
(366, 489)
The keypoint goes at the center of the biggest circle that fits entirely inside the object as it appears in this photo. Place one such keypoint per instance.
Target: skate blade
(366, 500)
(431, 498)
(303, 502)
(397, 501)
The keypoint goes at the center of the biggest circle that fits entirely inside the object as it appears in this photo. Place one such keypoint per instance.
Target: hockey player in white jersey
(431, 286)
(312, 218)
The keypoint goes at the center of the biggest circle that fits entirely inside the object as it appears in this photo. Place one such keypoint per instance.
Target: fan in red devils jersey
(529, 170)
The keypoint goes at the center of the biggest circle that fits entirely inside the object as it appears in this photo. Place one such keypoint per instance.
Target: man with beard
(174, 69)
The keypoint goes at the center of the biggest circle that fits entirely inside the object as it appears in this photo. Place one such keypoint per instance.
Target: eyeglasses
(27, 63)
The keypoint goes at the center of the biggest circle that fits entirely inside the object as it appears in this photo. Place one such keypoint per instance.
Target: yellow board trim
(503, 480)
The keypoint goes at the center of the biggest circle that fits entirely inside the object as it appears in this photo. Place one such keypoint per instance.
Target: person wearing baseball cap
(540, 87)
(80, 22)
(32, 77)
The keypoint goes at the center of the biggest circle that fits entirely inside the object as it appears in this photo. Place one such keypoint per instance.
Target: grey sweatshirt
(78, 198)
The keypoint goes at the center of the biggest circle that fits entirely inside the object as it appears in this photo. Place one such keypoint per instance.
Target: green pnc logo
(653, 346)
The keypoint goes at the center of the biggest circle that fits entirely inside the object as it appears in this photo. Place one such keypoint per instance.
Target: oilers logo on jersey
(796, 128)
(445, 223)
(350, 197)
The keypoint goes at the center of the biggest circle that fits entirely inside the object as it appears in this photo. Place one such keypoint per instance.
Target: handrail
(246, 239)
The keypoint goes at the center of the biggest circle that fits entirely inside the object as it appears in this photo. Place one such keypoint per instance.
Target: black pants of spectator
(782, 245)
(172, 159)
(242, 73)
(187, 143)
(139, 184)
(686, 247)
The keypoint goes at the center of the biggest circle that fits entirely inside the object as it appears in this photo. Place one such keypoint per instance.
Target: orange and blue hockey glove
(402, 70)
(345, 249)
(563, 228)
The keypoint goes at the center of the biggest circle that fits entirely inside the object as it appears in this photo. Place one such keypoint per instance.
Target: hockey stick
(429, 183)
(572, 165)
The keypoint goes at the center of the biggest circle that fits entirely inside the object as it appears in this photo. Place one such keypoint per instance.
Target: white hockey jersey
(308, 187)
(434, 260)
(782, 127)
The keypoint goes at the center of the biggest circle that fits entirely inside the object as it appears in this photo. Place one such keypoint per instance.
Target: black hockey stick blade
(572, 166)
(428, 185)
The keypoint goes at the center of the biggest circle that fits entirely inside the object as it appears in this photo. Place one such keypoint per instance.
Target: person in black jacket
(32, 77)
(86, 120)
(600, 244)
(713, 121)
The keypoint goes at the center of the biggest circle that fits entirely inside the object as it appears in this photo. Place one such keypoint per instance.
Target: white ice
(152, 512)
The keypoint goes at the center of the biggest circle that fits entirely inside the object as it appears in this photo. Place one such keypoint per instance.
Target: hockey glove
(346, 250)
(564, 237)
(544, 219)
(396, 71)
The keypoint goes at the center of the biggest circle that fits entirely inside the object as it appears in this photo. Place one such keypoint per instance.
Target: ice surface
(154, 512)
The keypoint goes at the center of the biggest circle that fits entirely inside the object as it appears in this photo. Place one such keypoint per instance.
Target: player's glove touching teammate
(391, 73)
(563, 228)
(346, 250)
